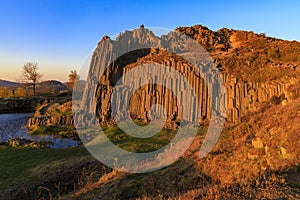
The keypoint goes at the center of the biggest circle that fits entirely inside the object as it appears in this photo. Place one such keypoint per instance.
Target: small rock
(283, 152)
(284, 102)
(257, 143)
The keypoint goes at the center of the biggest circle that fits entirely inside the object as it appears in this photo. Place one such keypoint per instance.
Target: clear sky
(59, 34)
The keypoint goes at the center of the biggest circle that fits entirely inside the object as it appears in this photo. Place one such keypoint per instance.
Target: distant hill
(52, 86)
(4, 83)
(49, 86)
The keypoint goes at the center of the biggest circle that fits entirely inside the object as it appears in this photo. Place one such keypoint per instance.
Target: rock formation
(255, 69)
(52, 114)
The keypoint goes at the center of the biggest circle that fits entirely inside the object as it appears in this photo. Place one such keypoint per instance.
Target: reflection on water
(14, 126)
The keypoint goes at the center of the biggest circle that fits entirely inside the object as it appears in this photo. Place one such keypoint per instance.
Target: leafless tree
(31, 73)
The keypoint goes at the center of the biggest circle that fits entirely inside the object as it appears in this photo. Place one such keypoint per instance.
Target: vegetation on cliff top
(251, 57)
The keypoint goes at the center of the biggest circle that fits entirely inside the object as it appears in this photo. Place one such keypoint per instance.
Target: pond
(15, 126)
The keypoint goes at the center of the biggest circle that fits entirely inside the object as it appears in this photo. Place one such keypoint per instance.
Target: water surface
(15, 126)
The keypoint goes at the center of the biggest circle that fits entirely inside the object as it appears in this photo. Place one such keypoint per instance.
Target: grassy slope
(235, 169)
(30, 168)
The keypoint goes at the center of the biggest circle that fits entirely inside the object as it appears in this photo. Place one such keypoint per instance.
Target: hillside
(11, 89)
(255, 159)
(52, 86)
(4, 83)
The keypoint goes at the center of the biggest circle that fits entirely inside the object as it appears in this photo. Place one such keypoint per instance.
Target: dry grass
(235, 158)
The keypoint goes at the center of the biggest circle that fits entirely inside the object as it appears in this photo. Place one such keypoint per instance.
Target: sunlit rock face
(109, 80)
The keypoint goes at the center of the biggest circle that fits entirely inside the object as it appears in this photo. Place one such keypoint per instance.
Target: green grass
(35, 166)
(20, 165)
(68, 132)
(60, 113)
(135, 144)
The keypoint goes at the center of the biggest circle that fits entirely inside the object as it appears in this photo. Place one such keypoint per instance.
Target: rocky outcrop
(52, 114)
(248, 96)
(251, 57)
(140, 47)
(50, 121)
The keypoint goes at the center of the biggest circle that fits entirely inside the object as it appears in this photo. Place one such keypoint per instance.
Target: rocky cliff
(254, 69)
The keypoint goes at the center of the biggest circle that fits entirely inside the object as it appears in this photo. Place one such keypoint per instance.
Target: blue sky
(59, 34)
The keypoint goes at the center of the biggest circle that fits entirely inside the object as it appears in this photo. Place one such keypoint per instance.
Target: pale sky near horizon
(59, 35)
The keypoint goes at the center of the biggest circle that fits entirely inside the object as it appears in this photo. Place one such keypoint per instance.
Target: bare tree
(73, 76)
(31, 73)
